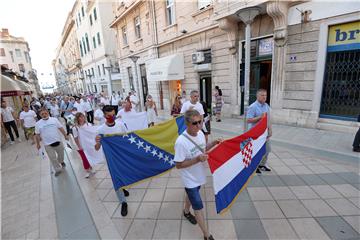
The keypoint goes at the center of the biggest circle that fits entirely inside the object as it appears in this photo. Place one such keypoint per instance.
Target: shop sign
(266, 46)
(344, 37)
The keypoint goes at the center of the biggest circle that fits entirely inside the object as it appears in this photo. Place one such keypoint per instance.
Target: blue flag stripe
(180, 121)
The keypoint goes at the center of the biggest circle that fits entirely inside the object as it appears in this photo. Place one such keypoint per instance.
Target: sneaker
(209, 238)
(258, 171)
(63, 164)
(12, 142)
(356, 149)
(19, 140)
(190, 217)
(126, 192)
(265, 168)
(88, 174)
(124, 209)
(57, 173)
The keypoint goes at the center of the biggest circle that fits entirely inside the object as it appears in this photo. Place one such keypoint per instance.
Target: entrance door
(145, 88)
(205, 89)
(260, 77)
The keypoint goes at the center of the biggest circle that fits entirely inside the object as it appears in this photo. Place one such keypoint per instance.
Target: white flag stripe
(229, 170)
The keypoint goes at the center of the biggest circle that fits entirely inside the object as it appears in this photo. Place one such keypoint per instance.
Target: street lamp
(134, 58)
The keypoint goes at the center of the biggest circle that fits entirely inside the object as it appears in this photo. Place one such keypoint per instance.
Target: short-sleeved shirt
(86, 106)
(188, 105)
(255, 110)
(6, 114)
(48, 130)
(119, 127)
(185, 150)
(66, 106)
(29, 118)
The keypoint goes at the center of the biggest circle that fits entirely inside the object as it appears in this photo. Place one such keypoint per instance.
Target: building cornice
(123, 14)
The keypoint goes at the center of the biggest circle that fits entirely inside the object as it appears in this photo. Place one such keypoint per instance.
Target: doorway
(205, 89)
(260, 77)
(144, 84)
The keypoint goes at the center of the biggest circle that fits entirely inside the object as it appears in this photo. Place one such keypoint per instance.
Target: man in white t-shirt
(86, 105)
(47, 129)
(110, 127)
(99, 114)
(28, 121)
(8, 117)
(114, 100)
(193, 103)
(79, 106)
(190, 155)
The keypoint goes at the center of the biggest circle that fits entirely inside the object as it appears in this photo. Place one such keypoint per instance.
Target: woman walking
(151, 110)
(176, 108)
(81, 124)
(218, 103)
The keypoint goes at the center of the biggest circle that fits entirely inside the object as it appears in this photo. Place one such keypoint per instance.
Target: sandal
(190, 217)
(209, 238)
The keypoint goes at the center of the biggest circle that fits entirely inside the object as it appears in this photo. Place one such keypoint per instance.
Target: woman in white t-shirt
(80, 123)
(190, 155)
(28, 121)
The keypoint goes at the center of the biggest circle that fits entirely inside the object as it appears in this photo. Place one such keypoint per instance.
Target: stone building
(15, 56)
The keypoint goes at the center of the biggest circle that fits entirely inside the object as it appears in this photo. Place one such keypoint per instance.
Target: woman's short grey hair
(189, 114)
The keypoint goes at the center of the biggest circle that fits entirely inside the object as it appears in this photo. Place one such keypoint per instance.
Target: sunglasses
(196, 123)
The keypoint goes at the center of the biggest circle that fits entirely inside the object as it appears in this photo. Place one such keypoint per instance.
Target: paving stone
(292, 180)
(343, 206)
(308, 228)
(354, 221)
(259, 193)
(326, 191)
(244, 196)
(318, 208)
(355, 201)
(122, 225)
(141, 185)
(222, 229)
(167, 229)
(136, 195)
(301, 170)
(158, 183)
(293, 208)
(320, 169)
(283, 170)
(312, 179)
(111, 207)
(281, 193)
(292, 162)
(356, 185)
(174, 195)
(278, 229)
(211, 212)
(332, 178)
(350, 177)
(256, 182)
(190, 232)
(175, 183)
(171, 210)
(250, 229)
(337, 228)
(141, 229)
(304, 192)
(268, 209)
(347, 190)
(154, 195)
(244, 210)
(148, 210)
(132, 209)
(272, 181)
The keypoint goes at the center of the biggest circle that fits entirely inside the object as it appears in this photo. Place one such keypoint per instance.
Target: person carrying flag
(189, 158)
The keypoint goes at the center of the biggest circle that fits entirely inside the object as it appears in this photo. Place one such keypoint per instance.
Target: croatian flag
(234, 161)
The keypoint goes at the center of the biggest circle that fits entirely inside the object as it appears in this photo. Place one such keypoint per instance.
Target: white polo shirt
(48, 130)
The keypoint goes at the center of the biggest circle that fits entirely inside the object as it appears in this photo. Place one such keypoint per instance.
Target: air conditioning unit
(198, 57)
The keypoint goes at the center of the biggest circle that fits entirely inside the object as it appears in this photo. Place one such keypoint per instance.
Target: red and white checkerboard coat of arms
(246, 151)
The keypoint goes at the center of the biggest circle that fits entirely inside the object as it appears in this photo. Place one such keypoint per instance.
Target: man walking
(86, 105)
(66, 108)
(190, 154)
(8, 121)
(28, 121)
(254, 114)
(47, 129)
(193, 103)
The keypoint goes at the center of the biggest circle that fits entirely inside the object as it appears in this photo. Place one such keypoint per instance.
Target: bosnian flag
(234, 161)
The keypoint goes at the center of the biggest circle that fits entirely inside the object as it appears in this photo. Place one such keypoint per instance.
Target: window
(125, 41)
(79, 18)
(94, 42)
(2, 52)
(87, 42)
(18, 52)
(103, 67)
(137, 27)
(21, 67)
(99, 72)
(26, 54)
(82, 11)
(90, 17)
(131, 79)
(98, 38)
(170, 12)
(95, 88)
(84, 46)
(12, 55)
(95, 15)
(81, 49)
(203, 4)
(92, 72)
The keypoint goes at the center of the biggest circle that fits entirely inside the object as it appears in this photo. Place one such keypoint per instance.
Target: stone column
(247, 16)
(231, 29)
(279, 12)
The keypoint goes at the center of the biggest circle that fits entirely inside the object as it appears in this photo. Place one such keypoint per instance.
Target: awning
(166, 68)
(10, 87)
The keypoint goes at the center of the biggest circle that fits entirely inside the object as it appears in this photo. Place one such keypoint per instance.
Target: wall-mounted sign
(293, 58)
(344, 37)
(266, 46)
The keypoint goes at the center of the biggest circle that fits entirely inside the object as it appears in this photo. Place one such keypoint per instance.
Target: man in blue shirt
(255, 112)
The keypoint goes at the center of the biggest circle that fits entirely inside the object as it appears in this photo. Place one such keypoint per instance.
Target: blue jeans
(121, 196)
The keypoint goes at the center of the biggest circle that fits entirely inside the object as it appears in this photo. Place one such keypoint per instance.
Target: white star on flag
(160, 155)
(154, 152)
(147, 148)
(140, 144)
(166, 158)
(172, 162)
(132, 139)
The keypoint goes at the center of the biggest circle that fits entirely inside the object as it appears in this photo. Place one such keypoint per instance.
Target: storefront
(341, 87)
(167, 72)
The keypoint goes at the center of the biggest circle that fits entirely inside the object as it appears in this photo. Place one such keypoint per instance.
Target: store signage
(344, 37)
(266, 46)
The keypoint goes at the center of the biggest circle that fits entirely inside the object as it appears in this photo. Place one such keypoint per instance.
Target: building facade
(15, 56)
(305, 56)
